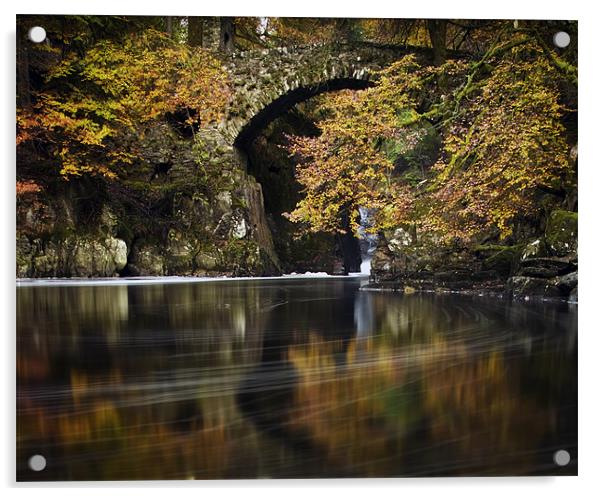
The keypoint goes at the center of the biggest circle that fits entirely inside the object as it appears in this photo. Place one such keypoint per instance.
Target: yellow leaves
(346, 168)
(502, 140)
(513, 143)
(115, 88)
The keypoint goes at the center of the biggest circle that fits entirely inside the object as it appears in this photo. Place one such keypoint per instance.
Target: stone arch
(268, 83)
(253, 127)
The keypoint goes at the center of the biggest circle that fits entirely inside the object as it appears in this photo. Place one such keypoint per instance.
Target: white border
(590, 330)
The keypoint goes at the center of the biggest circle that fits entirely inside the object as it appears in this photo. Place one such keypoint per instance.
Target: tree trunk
(23, 85)
(349, 246)
(195, 31)
(169, 26)
(438, 32)
(227, 33)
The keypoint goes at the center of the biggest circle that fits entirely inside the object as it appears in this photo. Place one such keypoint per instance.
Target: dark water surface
(290, 378)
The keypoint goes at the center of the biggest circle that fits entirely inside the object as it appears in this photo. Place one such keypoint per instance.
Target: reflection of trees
(479, 414)
(346, 408)
(137, 382)
(367, 411)
(150, 443)
(150, 381)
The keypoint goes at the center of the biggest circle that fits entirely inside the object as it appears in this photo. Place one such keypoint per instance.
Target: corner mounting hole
(562, 39)
(37, 34)
(37, 463)
(562, 458)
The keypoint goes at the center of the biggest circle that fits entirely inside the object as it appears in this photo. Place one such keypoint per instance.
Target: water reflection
(290, 379)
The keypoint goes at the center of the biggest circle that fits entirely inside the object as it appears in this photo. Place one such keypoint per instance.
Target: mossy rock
(521, 286)
(535, 249)
(23, 256)
(206, 261)
(561, 233)
(503, 260)
(246, 258)
(95, 257)
(148, 261)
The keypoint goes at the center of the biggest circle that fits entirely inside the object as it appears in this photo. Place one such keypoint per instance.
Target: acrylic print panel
(259, 247)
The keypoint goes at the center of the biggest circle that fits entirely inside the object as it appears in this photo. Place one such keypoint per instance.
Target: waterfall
(368, 241)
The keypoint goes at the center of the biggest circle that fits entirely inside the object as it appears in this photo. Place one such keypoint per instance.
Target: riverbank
(500, 292)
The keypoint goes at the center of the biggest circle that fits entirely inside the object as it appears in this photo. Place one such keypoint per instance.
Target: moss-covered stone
(23, 256)
(206, 261)
(520, 286)
(92, 257)
(179, 254)
(536, 248)
(561, 233)
(246, 258)
(147, 261)
(503, 260)
(73, 256)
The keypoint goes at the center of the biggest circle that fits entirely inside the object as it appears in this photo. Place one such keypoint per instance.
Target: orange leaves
(27, 187)
(503, 140)
(510, 144)
(115, 89)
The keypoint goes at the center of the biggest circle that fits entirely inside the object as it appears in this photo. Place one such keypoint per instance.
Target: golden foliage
(503, 142)
(114, 90)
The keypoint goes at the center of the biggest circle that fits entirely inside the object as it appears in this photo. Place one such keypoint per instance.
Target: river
(289, 378)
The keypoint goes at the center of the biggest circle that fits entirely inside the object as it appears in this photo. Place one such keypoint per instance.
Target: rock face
(542, 267)
(428, 267)
(179, 211)
(73, 256)
(561, 233)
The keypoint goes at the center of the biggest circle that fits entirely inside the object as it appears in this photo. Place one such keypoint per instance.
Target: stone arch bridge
(267, 83)
(179, 222)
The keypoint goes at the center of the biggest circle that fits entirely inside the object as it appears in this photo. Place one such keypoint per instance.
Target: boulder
(146, 260)
(399, 239)
(566, 283)
(546, 266)
(206, 261)
(503, 260)
(561, 233)
(519, 286)
(92, 257)
(535, 249)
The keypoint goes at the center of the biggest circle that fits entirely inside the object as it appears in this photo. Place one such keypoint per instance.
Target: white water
(366, 265)
(371, 240)
(138, 281)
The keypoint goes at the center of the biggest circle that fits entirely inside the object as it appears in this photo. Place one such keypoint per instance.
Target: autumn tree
(500, 117)
(91, 102)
